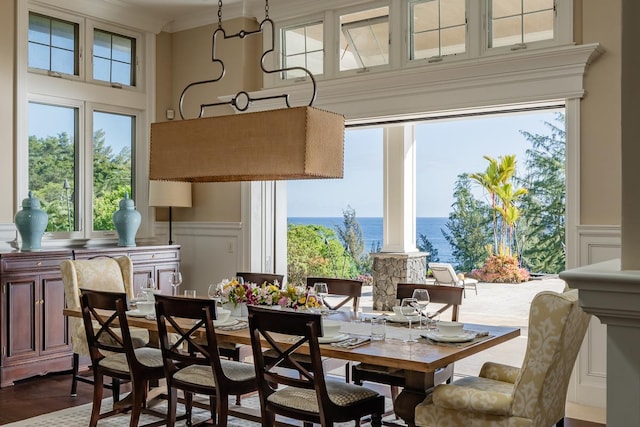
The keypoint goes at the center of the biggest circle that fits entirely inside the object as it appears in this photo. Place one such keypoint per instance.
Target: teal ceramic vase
(127, 220)
(31, 223)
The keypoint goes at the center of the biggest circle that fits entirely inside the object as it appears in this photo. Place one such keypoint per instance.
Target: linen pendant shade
(289, 143)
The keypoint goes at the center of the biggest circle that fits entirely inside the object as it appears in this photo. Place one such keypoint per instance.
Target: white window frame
(406, 13)
(137, 63)
(399, 58)
(337, 29)
(88, 96)
(562, 31)
(281, 44)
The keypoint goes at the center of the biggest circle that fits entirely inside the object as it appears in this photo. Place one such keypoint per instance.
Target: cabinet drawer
(155, 256)
(33, 263)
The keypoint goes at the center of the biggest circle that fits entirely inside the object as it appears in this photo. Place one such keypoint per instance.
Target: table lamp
(170, 194)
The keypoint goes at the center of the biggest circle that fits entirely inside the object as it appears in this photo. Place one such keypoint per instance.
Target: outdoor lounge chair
(446, 275)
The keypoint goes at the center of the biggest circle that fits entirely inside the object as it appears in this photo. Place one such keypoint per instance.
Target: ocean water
(372, 231)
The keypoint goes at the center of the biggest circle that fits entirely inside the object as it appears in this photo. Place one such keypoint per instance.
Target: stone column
(391, 268)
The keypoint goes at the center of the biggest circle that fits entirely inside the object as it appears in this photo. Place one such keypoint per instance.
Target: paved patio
(495, 304)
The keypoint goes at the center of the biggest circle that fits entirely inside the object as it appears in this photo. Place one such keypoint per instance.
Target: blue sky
(445, 149)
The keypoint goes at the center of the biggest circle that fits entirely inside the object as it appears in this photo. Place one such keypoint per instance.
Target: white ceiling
(171, 10)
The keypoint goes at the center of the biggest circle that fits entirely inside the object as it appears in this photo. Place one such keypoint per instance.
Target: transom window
(53, 44)
(438, 28)
(303, 46)
(517, 22)
(364, 39)
(113, 58)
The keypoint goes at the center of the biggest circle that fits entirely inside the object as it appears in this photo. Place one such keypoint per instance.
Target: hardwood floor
(40, 395)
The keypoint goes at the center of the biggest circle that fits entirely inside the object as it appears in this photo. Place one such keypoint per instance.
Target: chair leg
(560, 423)
(74, 374)
(115, 389)
(139, 391)
(172, 399)
(98, 382)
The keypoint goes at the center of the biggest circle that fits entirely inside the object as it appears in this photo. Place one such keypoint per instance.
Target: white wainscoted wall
(210, 251)
(589, 382)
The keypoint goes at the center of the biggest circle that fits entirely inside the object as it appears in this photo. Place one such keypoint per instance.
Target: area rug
(78, 416)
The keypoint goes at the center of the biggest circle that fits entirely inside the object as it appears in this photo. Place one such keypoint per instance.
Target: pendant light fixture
(300, 142)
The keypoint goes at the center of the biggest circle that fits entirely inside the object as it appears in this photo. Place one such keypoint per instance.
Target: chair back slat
(350, 289)
(105, 329)
(450, 296)
(303, 328)
(260, 278)
(187, 321)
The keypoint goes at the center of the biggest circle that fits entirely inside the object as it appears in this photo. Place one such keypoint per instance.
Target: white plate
(434, 336)
(135, 313)
(403, 319)
(333, 338)
(227, 322)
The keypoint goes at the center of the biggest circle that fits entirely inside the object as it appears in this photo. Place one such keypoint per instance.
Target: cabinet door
(21, 317)
(54, 326)
(162, 276)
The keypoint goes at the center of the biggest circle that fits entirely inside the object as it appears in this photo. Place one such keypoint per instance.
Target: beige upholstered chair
(102, 274)
(533, 395)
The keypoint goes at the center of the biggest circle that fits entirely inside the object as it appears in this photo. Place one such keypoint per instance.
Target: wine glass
(175, 279)
(409, 309)
(422, 299)
(148, 287)
(215, 291)
(321, 290)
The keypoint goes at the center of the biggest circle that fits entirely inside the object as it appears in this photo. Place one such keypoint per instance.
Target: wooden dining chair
(260, 278)
(451, 298)
(349, 290)
(113, 354)
(200, 369)
(308, 395)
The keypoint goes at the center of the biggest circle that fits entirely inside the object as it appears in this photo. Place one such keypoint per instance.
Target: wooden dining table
(419, 360)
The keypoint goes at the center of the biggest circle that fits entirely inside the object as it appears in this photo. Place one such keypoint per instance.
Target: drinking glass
(190, 293)
(175, 279)
(422, 299)
(215, 291)
(148, 288)
(321, 290)
(378, 329)
(409, 309)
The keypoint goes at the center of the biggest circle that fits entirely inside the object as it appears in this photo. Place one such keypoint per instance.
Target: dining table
(419, 360)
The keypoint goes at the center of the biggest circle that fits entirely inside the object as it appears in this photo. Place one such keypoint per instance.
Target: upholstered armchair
(533, 395)
(102, 274)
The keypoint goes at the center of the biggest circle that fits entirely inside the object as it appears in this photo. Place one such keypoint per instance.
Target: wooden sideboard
(34, 336)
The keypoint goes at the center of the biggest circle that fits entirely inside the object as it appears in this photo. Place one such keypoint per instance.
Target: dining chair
(260, 278)
(199, 370)
(100, 273)
(112, 354)
(533, 394)
(348, 289)
(300, 393)
(444, 274)
(450, 298)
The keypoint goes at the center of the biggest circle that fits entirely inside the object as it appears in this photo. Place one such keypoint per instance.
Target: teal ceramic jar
(31, 223)
(127, 220)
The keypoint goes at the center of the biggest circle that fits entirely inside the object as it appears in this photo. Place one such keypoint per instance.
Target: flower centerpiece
(298, 297)
(266, 294)
(235, 296)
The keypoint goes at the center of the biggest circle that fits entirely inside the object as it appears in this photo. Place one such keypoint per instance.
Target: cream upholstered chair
(102, 274)
(533, 395)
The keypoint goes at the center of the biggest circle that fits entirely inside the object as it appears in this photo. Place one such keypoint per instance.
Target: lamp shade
(290, 143)
(170, 194)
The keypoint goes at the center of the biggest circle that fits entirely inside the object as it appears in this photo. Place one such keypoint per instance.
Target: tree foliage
(52, 163)
(350, 234)
(469, 227)
(543, 208)
(314, 250)
(425, 245)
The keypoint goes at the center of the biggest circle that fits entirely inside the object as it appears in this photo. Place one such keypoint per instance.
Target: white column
(399, 230)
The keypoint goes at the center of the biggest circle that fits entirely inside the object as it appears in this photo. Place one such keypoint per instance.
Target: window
(364, 39)
(113, 141)
(53, 135)
(113, 58)
(517, 22)
(438, 28)
(82, 130)
(53, 44)
(302, 46)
